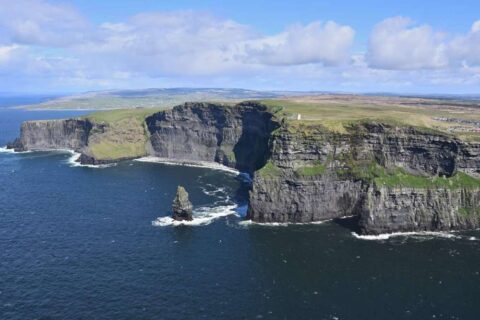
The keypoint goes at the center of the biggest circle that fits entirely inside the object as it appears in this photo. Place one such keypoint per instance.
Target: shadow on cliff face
(350, 223)
(252, 149)
(236, 136)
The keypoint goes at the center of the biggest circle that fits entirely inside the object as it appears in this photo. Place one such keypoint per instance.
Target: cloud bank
(55, 46)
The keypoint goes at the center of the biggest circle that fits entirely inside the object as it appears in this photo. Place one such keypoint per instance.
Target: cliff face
(53, 134)
(419, 151)
(314, 174)
(395, 178)
(300, 183)
(409, 209)
(234, 136)
(290, 199)
(98, 142)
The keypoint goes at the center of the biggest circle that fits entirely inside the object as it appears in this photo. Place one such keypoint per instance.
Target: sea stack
(182, 207)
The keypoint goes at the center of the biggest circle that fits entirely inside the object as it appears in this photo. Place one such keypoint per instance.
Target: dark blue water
(78, 243)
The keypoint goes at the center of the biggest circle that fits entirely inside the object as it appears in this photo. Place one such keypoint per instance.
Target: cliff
(235, 136)
(53, 134)
(101, 138)
(393, 176)
(400, 209)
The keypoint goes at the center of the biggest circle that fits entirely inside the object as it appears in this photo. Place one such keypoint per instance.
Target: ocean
(96, 243)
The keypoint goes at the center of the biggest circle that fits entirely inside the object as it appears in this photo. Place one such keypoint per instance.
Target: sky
(61, 46)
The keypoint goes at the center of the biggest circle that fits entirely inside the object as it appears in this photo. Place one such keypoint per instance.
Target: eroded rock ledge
(394, 178)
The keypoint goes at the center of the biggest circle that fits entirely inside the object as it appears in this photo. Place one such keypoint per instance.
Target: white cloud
(465, 49)
(7, 53)
(200, 44)
(171, 43)
(476, 27)
(327, 43)
(54, 45)
(37, 22)
(56, 40)
(398, 44)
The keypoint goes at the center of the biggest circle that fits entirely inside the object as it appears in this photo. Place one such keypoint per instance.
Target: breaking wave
(196, 164)
(247, 223)
(386, 236)
(11, 151)
(201, 216)
(211, 190)
(5, 150)
(73, 161)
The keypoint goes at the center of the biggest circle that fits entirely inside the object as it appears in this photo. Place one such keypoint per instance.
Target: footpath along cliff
(393, 177)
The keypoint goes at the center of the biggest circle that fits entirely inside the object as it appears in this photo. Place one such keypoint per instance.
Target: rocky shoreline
(394, 178)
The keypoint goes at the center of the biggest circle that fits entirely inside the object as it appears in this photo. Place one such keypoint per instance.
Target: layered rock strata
(394, 177)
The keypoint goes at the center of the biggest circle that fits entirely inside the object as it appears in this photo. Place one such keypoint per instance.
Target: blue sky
(356, 46)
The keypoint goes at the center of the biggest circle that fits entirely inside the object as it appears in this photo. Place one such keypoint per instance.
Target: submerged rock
(182, 207)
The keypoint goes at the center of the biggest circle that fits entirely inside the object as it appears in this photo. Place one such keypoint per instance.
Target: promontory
(395, 164)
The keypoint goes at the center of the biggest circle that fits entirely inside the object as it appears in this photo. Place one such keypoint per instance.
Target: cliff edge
(394, 176)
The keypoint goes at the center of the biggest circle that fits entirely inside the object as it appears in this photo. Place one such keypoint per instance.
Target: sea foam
(201, 216)
(5, 150)
(73, 161)
(247, 223)
(11, 151)
(386, 236)
(211, 190)
(196, 164)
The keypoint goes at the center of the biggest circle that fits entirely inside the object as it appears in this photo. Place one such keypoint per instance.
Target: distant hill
(153, 98)
(169, 97)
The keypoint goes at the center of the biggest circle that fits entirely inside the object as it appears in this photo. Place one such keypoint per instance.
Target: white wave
(386, 236)
(201, 216)
(347, 217)
(241, 211)
(11, 151)
(187, 163)
(280, 224)
(214, 192)
(73, 161)
(246, 223)
(5, 150)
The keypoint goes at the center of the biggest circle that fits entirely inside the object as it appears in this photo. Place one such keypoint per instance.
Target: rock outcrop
(182, 207)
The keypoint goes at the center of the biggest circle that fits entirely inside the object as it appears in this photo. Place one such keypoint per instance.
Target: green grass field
(399, 178)
(113, 116)
(124, 135)
(336, 114)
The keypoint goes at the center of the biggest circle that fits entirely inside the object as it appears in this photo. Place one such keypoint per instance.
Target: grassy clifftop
(122, 134)
(337, 112)
(119, 133)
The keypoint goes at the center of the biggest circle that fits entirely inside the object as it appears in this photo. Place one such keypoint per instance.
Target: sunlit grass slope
(119, 133)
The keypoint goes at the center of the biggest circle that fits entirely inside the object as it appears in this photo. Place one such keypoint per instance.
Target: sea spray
(75, 156)
(6, 150)
(196, 164)
(201, 216)
(386, 236)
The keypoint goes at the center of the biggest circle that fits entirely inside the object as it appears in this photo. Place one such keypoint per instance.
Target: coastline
(196, 164)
